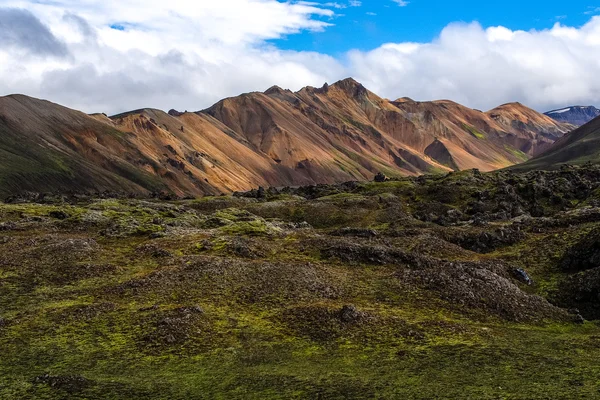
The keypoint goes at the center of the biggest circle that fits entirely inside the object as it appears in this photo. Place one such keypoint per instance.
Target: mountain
(577, 147)
(576, 115)
(367, 132)
(336, 133)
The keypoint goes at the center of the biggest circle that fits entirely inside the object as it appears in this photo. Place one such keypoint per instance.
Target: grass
(517, 153)
(474, 131)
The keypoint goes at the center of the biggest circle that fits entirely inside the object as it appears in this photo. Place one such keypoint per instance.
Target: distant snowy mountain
(576, 115)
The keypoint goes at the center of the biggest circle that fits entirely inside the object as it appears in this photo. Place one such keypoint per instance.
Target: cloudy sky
(112, 56)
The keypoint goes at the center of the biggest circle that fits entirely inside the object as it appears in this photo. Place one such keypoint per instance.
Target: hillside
(578, 147)
(576, 115)
(332, 134)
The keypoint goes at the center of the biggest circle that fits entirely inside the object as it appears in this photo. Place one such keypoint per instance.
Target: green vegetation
(474, 131)
(402, 289)
(517, 153)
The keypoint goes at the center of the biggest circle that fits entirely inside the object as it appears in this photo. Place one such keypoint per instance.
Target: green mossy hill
(462, 285)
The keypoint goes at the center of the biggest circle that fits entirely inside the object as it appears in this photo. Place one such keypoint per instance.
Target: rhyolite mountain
(331, 134)
(575, 115)
(578, 147)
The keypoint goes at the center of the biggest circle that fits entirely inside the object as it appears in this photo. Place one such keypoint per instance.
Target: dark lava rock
(244, 247)
(432, 211)
(195, 309)
(215, 222)
(174, 327)
(8, 226)
(175, 113)
(522, 276)
(355, 232)
(379, 177)
(583, 255)
(349, 314)
(581, 291)
(373, 254)
(153, 251)
(488, 241)
(88, 312)
(24, 197)
(482, 286)
(322, 323)
(58, 214)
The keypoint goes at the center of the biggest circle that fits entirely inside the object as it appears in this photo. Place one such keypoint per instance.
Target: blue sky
(423, 20)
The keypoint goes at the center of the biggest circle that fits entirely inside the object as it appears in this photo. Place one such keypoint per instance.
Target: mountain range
(575, 115)
(331, 134)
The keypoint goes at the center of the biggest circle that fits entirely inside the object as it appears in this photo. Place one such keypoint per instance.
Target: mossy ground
(237, 298)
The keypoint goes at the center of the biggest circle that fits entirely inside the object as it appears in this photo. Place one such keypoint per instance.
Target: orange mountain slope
(335, 133)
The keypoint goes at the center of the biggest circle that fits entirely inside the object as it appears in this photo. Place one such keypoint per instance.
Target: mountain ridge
(575, 115)
(335, 133)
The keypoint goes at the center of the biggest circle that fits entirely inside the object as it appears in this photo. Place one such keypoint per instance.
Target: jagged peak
(351, 87)
(276, 90)
(347, 83)
(174, 113)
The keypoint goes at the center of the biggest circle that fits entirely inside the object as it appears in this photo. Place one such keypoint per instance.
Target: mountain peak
(275, 90)
(174, 113)
(576, 115)
(347, 83)
(514, 104)
(351, 87)
(514, 108)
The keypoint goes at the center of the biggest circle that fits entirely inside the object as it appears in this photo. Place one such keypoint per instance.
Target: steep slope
(575, 115)
(369, 133)
(46, 147)
(277, 138)
(578, 147)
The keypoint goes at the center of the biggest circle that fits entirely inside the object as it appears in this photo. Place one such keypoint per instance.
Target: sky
(114, 56)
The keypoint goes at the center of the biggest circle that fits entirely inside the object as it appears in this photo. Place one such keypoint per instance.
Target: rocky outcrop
(584, 255)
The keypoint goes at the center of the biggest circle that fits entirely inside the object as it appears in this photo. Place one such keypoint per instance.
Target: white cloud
(178, 53)
(483, 68)
(188, 54)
